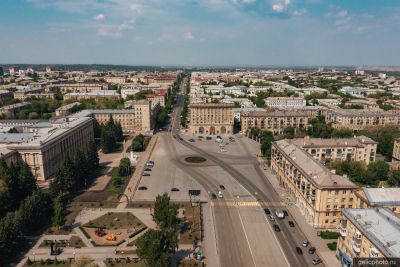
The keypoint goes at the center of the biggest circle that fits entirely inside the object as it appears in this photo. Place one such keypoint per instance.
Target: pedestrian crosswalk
(232, 203)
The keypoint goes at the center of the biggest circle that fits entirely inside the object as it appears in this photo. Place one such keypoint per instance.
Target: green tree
(165, 213)
(58, 218)
(108, 142)
(394, 178)
(379, 169)
(10, 237)
(124, 168)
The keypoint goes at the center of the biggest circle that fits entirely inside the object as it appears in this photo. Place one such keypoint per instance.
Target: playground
(113, 228)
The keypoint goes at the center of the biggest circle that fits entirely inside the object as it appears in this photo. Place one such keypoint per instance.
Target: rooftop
(308, 142)
(383, 196)
(380, 226)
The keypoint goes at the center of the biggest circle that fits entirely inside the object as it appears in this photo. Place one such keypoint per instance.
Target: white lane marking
(247, 239)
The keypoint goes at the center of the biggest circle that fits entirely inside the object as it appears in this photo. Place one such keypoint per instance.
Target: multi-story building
(109, 94)
(319, 193)
(5, 94)
(80, 87)
(379, 197)
(275, 121)
(358, 119)
(11, 111)
(23, 93)
(209, 118)
(115, 80)
(1, 72)
(370, 234)
(396, 150)
(50, 145)
(360, 148)
(285, 102)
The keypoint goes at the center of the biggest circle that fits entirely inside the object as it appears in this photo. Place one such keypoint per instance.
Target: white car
(220, 195)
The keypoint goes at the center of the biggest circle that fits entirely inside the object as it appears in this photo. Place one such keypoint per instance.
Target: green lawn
(192, 226)
(114, 220)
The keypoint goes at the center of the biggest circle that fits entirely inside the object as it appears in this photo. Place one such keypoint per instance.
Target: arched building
(211, 119)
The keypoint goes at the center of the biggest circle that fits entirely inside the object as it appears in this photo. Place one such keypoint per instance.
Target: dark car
(267, 211)
(299, 251)
(142, 188)
(291, 223)
(209, 138)
(147, 170)
(191, 140)
(213, 196)
(285, 213)
(222, 187)
(277, 228)
(200, 137)
(174, 189)
(316, 261)
(312, 250)
(146, 174)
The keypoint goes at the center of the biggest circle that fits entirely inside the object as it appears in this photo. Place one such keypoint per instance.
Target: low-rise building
(354, 91)
(67, 109)
(319, 193)
(210, 118)
(396, 150)
(22, 93)
(5, 94)
(285, 102)
(359, 148)
(80, 87)
(369, 234)
(115, 80)
(11, 111)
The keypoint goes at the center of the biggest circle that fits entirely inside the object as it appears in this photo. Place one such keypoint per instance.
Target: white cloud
(188, 36)
(114, 30)
(300, 12)
(342, 13)
(281, 6)
(99, 17)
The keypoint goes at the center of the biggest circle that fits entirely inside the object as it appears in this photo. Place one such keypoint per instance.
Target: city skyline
(201, 33)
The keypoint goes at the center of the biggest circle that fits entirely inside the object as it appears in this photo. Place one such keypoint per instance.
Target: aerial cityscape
(221, 133)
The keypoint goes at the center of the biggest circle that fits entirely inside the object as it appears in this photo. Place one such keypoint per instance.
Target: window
(329, 200)
(350, 206)
(336, 192)
(336, 200)
(343, 199)
(351, 199)
(344, 192)
(327, 214)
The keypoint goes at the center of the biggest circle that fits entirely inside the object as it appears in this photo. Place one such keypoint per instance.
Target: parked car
(316, 261)
(220, 195)
(271, 218)
(299, 251)
(276, 228)
(209, 138)
(147, 170)
(200, 137)
(213, 196)
(174, 189)
(222, 187)
(305, 243)
(191, 140)
(146, 174)
(280, 214)
(142, 188)
(291, 223)
(267, 211)
(312, 250)
(285, 213)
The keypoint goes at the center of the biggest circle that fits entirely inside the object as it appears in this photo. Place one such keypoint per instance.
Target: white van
(280, 214)
(220, 195)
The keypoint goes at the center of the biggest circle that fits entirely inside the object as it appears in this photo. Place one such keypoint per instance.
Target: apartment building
(109, 94)
(275, 121)
(285, 102)
(368, 233)
(80, 87)
(358, 119)
(396, 150)
(358, 148)
(115, 80)
(379, 197)
(11, 111)
(210, 118)
(67, 109)
(5, 94)
(23, 93)
(50, 145)
(318, 192)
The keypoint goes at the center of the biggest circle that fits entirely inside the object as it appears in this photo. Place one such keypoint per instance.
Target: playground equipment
(100, 232)
(111, 237)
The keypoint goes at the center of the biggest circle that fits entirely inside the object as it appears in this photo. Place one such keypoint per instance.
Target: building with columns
(211, 118)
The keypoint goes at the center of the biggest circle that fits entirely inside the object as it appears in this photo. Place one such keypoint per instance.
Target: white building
(354, 91)
(282, 102)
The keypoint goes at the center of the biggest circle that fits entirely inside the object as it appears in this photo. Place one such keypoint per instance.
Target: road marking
(232, 203)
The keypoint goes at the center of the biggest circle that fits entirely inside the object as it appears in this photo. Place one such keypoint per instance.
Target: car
(147, 170)
(151, 162)
(280, 214)
(174, 189)
(267, 211)
(311, 250)
(142, 188)
(200, 137)
(191, 140)
(276, 228)
(213, 196)
(220, 195)
(291, 223)
(209, 138)
(227, 143)
(285, 213)
(146, 174)
(271, 218)
(306, 243)
(316, 261)
(299, 251)
(222, 187)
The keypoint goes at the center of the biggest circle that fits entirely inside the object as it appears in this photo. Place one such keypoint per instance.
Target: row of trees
(157, 246)
(185, 108)
(109, 134)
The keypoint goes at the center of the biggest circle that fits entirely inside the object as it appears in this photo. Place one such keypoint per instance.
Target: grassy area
(192, 228)
(125, 263)
(140, 206)
(49, 263)
(329, 235)
(121, 220)
(74, 241)
(195, 159)
(332, 246)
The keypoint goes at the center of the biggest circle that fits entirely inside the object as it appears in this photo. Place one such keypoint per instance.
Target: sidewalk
(327, 256)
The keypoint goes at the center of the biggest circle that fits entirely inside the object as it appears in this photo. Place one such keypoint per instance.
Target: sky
(201, 32)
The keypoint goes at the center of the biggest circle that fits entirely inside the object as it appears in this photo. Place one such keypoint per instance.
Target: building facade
(319, 193)
(396, 150)
(379, 197)
(285, 102)
(209, 118)
(368, 233)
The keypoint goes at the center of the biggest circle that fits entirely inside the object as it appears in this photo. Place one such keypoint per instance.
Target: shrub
(329, 235)
(332, 246)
